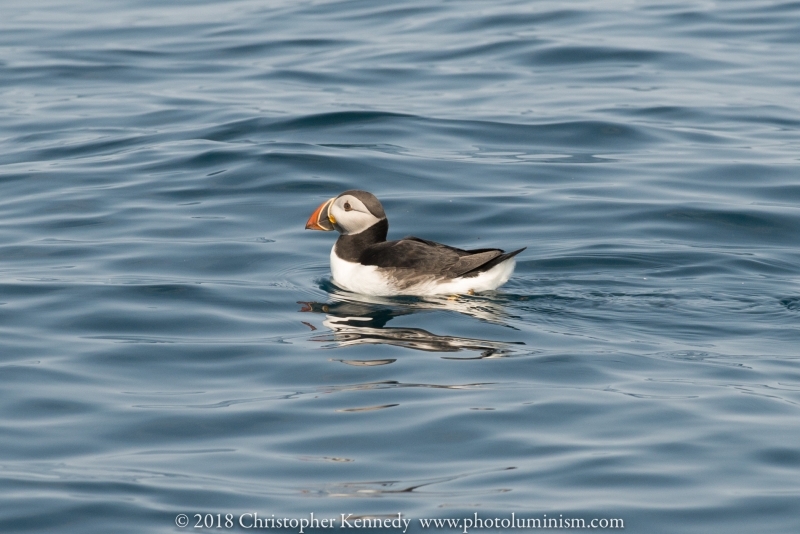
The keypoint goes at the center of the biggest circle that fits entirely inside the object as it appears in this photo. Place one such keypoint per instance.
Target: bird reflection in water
(359, 323)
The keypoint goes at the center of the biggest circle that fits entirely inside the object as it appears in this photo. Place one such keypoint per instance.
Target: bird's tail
(495, 261)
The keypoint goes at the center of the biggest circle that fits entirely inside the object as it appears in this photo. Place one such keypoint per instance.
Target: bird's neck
(350, 246)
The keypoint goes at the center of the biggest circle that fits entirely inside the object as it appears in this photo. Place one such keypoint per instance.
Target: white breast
(369, 280)
(364, 279)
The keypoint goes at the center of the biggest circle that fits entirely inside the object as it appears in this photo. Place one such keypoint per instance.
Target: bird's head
(349, 213)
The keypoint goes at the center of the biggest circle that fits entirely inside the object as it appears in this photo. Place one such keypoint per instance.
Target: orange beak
(321, 219)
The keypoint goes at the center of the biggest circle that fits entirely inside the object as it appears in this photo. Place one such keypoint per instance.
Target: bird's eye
(347, 207)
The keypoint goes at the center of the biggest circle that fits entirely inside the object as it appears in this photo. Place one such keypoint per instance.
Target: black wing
(428, 257)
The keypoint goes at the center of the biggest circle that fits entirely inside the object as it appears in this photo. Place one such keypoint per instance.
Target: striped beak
(321, 219)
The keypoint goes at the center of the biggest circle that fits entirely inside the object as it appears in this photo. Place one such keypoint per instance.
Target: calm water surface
(170, 339)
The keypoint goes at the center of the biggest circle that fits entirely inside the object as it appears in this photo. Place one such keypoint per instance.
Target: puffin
(363, 261)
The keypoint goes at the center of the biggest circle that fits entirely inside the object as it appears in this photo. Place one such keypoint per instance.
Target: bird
(363, 261)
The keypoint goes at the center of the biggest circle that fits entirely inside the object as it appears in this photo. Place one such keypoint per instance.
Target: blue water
(170, 338)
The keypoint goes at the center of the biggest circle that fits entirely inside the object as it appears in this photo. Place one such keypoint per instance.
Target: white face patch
(353, 220)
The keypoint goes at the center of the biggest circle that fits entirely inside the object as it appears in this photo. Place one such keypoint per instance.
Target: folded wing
(428, 257)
